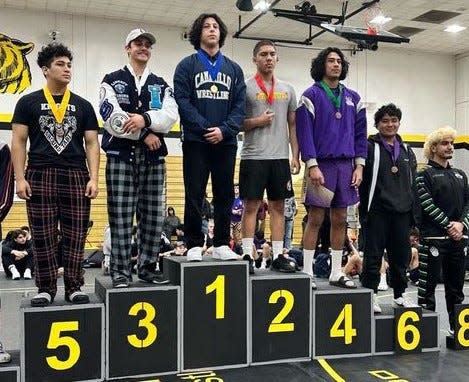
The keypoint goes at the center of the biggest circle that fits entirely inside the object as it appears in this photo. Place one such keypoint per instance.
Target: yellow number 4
(348, 332)
(56, 340)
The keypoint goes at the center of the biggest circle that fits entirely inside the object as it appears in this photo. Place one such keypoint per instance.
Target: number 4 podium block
(142, 331)
(214, 311)
(62, 342)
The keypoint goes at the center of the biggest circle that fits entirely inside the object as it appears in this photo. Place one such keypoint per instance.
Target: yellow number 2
(145, 322)
(277, 325)
(56, 340)
(348, 332)
(218, 286)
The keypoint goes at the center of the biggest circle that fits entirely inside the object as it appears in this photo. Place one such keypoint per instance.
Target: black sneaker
(281, 264)
(251, 263)
(152, 277)
(120, 282)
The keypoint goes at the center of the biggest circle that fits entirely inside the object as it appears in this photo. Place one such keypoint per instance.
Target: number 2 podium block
(342, 321)
(10, 372)
(62, 342)
(280, 317)
(142, 332)
(214, 311)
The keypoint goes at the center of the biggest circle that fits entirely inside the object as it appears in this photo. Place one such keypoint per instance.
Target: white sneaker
(194, 254)
(15, 275)
(224, 252)
(451, 332)
(4, 356)
(404, 302)
(263, 265)
(27, 274)
(376, 307)
(383, 286)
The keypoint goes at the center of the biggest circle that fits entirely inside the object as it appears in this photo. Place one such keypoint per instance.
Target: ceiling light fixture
(244, 5)
(454, 28)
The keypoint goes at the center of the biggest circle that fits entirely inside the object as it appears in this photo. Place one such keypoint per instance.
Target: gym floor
(445, 365)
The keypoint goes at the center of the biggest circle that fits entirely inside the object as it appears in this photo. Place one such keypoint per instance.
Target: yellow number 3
(145, 322)
(55, 340)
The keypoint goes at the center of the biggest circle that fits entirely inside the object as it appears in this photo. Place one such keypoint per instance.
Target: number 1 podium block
(62, 342)
(214, 311)
(142, 331)
(342, 321)
(10, 372)
(280, 317)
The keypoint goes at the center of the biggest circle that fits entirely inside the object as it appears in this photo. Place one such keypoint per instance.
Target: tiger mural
(15, 75)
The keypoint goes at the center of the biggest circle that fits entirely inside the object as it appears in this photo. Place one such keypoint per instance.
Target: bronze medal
(213, 88)
(338, 115)
(394, 169)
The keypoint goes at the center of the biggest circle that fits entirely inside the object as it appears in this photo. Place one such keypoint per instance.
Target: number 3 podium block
(214, 311)
(62, 342)
(341, 321)
(142, 332)
(280, 317)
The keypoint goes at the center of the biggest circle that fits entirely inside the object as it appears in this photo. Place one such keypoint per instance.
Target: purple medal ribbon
(394, 150)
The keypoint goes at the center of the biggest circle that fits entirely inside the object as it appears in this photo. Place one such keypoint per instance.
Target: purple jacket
(321, 135)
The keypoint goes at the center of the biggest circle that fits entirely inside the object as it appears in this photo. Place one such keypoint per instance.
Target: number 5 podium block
(142, 332)
(62, 342)
(214, 311)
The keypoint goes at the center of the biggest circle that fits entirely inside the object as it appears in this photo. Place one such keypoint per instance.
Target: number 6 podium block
(214, 311)
(62, 342)
(142, 332)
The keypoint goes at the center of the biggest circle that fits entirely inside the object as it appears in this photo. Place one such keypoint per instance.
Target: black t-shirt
(53, 144)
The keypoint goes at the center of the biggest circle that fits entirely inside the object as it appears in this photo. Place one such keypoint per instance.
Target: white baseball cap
(136, 33)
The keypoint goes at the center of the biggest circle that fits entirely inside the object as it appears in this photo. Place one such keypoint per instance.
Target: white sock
(383, 279)
(308, 256)
(277, 248)
(247, 244)
(336, 263)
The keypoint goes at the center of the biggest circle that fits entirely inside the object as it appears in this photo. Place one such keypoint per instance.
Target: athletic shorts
(272, 175)
(337, 191)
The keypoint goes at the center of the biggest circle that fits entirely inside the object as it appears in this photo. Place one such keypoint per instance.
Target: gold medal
(213, 88)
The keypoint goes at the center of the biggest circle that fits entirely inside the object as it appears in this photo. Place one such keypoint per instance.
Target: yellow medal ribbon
(59, 112)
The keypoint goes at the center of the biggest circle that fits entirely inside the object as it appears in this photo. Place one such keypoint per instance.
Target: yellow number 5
(55, 341)
(145, 322)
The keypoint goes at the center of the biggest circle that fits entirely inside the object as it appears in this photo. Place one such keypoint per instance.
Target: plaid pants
(136, 188)
(58, 197)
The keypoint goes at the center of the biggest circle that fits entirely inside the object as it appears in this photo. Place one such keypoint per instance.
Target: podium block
(280, 317)
(460, 341)
(143, 329)
(385, 338)
(342, 322)
(10, 372)
(214, 311)
(62, 342)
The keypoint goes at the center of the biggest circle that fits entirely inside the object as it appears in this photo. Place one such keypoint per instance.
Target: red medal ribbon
(261, 84)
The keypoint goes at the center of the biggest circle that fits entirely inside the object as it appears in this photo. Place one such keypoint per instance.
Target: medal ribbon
(212, 67)
(261, 84)
(336, 100)
(59, 112)
(394, 150)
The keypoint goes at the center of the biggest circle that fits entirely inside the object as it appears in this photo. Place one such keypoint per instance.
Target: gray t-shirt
(268, 142)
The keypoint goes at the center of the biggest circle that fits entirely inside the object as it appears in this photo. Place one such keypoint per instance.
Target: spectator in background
(170, 223)
(207, 214)
(236, 213)
(17, 256)
(261, 216)
(290, 213)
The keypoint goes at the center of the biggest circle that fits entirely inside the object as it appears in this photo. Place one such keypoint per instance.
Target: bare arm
(295, 162)
(18, 155)
(92, 158)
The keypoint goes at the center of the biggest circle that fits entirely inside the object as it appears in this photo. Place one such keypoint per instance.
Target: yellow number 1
(218, 286)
